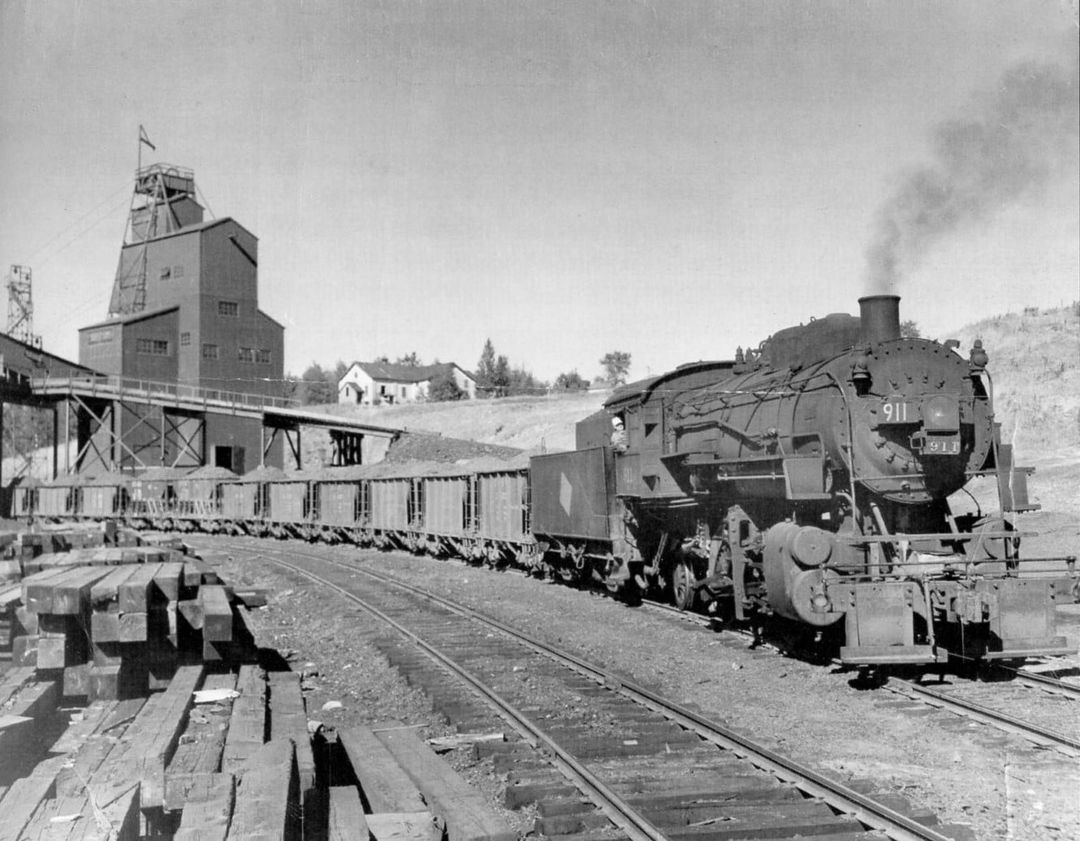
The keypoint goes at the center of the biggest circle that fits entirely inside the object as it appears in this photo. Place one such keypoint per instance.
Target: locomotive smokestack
(879, 318)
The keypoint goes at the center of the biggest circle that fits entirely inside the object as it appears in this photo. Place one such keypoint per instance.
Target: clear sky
(670, 179)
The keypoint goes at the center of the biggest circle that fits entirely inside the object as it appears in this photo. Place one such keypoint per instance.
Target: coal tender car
(810, 478)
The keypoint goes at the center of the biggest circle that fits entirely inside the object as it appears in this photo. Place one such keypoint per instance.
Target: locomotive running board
(1017, 649)
(877, 655)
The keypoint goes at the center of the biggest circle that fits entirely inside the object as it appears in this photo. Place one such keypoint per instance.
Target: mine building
(388, 383)
(185, 310)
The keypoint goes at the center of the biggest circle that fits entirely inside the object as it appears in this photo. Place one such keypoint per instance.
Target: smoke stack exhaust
(879, 318)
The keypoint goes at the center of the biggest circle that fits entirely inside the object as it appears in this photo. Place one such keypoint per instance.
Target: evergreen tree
(485, 368)
(616, 366)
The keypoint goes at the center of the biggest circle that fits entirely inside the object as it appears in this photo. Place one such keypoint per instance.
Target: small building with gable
(388, 383)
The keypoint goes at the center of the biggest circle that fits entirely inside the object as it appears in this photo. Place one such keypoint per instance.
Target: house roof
(393, 372)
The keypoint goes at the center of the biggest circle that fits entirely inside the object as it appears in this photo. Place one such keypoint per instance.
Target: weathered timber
(147, 745)
(217, 613)
(346, 821)
(76, 682)
(405, 826)
(208, 809)
(267, 796)
(11, 681)
(169, 580)
(24, 650)
(47, 778)
(104, 594)
(192, 575)
(201, 744)
(467, 813)
(137, 593)
(133, 626)
(247, 724)
(37, 589)
(24, 796)
(71, 592)
(386, 786)
(288, 719)
(26, 711)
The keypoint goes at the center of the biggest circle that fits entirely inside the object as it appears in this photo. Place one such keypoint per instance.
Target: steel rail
(987, 715)
(618, 811)
(1052, 684)
(846, 800)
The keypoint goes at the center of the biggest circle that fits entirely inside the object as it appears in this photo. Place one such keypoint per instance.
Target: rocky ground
(967, 773)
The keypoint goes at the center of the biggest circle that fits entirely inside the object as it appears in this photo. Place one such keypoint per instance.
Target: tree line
(495, 377)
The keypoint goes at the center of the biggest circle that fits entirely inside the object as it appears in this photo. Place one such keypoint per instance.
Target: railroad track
(650, 767)
(969, 700)
(959, 700)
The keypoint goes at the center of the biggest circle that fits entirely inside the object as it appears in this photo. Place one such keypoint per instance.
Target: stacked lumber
(413, 794)
(117, 629)
(205, 759)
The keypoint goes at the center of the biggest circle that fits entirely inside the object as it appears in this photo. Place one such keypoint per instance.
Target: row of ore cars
(477, 508)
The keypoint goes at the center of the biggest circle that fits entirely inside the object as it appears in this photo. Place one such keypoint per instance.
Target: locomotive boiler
(809, 478)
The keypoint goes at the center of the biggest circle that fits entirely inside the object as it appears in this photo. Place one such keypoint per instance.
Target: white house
(383, 383)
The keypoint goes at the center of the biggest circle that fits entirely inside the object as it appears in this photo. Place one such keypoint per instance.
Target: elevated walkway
(173, 415)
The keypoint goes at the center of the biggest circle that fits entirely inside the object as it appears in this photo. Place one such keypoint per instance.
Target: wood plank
(247, 724)
(136, 594)
(386, 786)
(468, 815)
(17, 806)
(288, 719)
(208, 808)
(346, 821)
(11, 681)
(169, 580)
(405, 826)
(199, 750)
(139, 758)
(217, 613)
(37, 589)
(71, 594)
(267, 796)
(104, 594)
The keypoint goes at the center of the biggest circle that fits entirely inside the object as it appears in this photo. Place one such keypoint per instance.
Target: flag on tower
(144, 139)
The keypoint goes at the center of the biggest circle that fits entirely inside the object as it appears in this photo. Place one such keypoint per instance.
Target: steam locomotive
(808, 478)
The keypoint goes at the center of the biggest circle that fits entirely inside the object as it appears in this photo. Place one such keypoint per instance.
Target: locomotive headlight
(941, 413)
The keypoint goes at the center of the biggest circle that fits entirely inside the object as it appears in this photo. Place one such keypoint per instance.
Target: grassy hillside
(1035, 366)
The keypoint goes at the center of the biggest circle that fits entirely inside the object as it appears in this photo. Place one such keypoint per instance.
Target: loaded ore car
(198, 498)
(104, 496)
(245, 501)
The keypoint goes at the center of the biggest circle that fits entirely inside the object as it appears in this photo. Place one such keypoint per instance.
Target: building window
(229, 309)
(245, 354)
(185, 339)
(100, 336)
(152, 347)
(262, 355)
(166, 273)
(403, 391)
(209, 351)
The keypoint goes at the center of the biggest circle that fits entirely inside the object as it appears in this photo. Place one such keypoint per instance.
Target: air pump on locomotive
(810, 478)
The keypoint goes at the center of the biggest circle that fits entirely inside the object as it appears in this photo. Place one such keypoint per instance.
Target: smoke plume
(1013, 147)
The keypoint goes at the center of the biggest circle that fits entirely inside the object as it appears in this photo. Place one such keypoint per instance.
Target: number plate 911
(941, 445)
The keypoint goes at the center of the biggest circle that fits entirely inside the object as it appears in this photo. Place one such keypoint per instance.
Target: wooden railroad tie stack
(413, 794)
(116, 631)
(214, 756)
